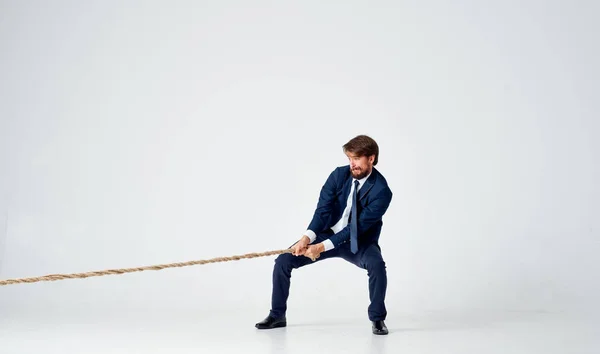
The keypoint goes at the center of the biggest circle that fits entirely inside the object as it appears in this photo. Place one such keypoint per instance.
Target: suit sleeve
(368, 216)
(326, 199)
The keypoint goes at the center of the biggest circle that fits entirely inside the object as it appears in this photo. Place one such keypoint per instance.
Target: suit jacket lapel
(369, 183)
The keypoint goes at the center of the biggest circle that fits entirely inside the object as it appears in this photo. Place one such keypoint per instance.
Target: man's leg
(372, 260)
(369, 258)
(282, 273)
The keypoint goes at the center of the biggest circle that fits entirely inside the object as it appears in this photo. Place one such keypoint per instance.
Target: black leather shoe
(379, 327)
(271, 322)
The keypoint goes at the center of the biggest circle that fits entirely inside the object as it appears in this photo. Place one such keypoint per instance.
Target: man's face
(360, 166)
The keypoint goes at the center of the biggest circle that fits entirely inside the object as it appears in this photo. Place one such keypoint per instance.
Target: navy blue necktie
(353, 221)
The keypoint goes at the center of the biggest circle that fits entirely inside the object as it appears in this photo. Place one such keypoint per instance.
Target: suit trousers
(368, 257)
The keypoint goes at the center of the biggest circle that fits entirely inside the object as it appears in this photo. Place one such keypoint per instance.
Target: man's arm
(368, 216)
(324, 206)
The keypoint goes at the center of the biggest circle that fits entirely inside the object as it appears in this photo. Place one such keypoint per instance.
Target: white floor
(154, 332)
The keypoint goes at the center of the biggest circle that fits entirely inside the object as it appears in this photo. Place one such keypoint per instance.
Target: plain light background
(136, 133)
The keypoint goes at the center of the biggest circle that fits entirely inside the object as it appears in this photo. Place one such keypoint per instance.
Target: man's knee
(375, 265)
(373, 262)
(285, 261)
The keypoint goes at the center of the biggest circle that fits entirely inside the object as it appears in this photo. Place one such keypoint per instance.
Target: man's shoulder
(342, 171)
(380, 181)
(380, 178)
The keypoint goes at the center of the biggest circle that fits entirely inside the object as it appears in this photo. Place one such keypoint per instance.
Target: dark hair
(363, 145)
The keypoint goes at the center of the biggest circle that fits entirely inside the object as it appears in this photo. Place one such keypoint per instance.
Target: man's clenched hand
(300, 247)
(314, 251)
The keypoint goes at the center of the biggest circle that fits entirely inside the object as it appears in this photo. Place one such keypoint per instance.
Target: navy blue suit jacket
(374, 198)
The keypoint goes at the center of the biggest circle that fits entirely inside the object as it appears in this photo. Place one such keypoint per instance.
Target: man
(346, 224)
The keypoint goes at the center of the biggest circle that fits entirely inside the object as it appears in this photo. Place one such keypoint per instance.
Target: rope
(54, 277)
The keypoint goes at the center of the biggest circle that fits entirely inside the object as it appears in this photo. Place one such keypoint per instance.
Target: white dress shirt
(343, 222)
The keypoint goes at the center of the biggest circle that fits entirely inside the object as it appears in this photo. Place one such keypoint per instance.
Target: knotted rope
(54, 277)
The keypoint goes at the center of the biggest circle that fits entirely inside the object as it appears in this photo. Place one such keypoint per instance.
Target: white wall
(153, 132)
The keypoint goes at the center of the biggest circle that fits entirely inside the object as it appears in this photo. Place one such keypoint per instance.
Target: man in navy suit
(346, 224)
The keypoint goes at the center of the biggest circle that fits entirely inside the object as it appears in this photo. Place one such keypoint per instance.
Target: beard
(359, 173)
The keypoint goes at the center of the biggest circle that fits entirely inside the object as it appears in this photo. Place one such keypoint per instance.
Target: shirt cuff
(311, 235)
(328, 245)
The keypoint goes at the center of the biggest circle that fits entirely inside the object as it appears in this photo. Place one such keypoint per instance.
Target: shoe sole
(277, 325)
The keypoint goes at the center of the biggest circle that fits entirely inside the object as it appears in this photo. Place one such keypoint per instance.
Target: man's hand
(300, 247)
(314, 251)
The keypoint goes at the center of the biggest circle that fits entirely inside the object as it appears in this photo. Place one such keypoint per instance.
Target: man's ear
(371, 159)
